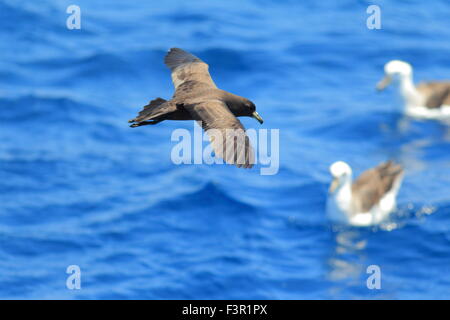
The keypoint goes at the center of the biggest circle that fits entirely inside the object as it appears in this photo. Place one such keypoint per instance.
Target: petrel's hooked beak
(334, 185)
(384, 83)
(257, 117)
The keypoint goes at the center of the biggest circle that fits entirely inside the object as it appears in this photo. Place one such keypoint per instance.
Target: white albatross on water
(369, 199)
(427, 100)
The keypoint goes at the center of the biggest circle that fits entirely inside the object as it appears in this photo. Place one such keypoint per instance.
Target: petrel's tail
(152, 111)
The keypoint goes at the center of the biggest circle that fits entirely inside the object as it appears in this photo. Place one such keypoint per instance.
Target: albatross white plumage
(428, 100)
(367, 201)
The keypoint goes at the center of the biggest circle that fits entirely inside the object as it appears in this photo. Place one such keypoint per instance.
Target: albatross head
(394, 70)
(341, 173)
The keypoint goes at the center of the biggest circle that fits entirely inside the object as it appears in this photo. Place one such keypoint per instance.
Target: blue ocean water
(79, 187)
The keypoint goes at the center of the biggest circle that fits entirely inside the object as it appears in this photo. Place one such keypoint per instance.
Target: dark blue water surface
(79, 187)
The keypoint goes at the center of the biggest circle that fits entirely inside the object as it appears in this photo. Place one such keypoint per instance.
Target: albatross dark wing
(187, 67)
(439, 93)
(373, 184)
(227, 134)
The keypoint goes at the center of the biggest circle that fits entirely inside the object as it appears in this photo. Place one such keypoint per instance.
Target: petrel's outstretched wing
(187, 67)
(227, 134)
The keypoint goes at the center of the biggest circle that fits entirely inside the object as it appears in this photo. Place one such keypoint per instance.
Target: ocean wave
(45, 107)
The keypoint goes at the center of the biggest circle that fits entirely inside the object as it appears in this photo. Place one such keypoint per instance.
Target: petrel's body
(197, 98)
(367, 201)
(430, 100)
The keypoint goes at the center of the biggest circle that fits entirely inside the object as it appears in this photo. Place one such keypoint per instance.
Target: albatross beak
(384, 83)
(334, 185)
(257, 117)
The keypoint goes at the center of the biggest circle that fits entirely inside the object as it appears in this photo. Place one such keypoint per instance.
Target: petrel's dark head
(250, 110)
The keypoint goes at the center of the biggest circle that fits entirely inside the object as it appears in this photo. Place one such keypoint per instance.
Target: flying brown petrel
(197, 98)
